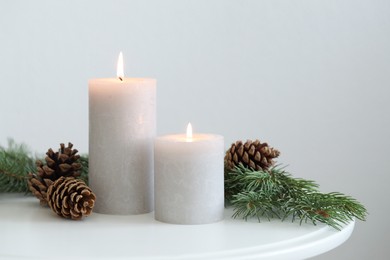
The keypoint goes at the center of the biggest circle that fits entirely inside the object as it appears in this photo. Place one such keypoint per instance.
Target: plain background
(311, 78)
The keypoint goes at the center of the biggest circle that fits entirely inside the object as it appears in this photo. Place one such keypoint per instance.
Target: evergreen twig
(275, 193)
(15, 162)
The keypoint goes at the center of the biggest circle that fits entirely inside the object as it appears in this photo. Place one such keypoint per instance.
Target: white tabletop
(29, 231)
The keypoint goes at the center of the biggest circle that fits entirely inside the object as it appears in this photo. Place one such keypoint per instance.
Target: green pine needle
(274, 193)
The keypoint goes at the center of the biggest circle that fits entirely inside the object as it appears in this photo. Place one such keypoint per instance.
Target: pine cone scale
(64, 167)
(258, 156)
(50, 152)
(85, 192)
(47, 170)
(63, 157)
(235, 158)
(240, 150)
(245, 158)
(49, 161)
(48, 182)
(76, 166)
(251, 150)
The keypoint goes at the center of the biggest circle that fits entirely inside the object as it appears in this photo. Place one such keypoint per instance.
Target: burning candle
(189, 181)
(122, 127)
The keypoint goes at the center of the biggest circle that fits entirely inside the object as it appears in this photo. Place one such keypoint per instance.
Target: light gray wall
(309, 77)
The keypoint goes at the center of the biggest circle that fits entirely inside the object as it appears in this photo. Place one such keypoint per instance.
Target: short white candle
(189, 181)
(122, 128)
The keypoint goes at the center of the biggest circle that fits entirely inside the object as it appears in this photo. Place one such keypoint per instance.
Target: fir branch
(249, 204)
(15, 162)
(275, 193)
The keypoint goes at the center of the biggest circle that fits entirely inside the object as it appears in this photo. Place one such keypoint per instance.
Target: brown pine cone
(70, 198)
(61, 163)
(255, 155)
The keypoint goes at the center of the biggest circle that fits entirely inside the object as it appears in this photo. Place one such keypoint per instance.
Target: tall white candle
(189, 181)
(122, 127)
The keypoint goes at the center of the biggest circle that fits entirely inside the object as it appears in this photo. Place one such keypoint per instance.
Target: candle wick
(120, 78)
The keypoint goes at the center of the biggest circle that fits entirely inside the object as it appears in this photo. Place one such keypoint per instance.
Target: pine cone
(255, 155)
(58, 164)
(70, 198)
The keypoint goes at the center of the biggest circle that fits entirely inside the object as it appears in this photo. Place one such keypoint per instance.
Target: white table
(29, 231)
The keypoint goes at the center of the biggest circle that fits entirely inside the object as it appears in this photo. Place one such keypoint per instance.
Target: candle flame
(189, 132)
(119, 69)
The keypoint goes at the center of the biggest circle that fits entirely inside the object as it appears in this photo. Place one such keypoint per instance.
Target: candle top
(180, 138)
(123, 81)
